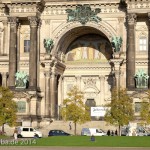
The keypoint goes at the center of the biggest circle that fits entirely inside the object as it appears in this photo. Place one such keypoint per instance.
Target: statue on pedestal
(21, 79)
(48, 44)
(141, 79)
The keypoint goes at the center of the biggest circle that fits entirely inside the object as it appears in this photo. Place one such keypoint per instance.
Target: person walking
(70, 127)
(15, 134)
(116, 132)
(108, 132)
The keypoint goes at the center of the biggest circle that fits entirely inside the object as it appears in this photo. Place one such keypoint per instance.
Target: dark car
(58, 133)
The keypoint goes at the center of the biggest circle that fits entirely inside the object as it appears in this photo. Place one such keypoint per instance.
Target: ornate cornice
(54, 8)
(135, 6)
(22, 7)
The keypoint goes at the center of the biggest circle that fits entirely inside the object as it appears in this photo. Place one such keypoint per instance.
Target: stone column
(5, 37)
(0, 42)
(130, 66)
(12, 51)
(78, 81)
(33, 53)
(33, 105)
(61, 90)
(102, 88)
(38, 52)
(47, 94)
(18, 48)
(116, 63)
(53, 95)
(149, 49)
(4, 79)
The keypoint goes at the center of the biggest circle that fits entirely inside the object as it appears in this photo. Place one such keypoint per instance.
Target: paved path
(70, 148)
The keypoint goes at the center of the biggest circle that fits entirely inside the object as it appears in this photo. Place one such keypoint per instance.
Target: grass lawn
(103, 141)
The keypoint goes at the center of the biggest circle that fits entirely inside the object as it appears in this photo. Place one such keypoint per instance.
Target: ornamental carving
(33, 21)
(132, 18)
(83, 14)
(89, 82)
(13, 21)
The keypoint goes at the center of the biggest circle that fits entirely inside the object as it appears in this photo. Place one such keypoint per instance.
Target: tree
(121, 110)
(74, 108)
(8, 108)
(145, 109)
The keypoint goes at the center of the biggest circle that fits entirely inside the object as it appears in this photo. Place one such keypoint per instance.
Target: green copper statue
(83, 14)
(141, 79)
(48, 44)
(116, 43)
(21, 79)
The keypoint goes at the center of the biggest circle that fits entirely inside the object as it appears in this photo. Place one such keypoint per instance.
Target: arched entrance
(87, 53)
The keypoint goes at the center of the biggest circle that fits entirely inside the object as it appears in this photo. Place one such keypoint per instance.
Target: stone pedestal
(33, 110)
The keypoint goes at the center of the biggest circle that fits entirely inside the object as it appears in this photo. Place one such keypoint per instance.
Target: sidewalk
(71, 148)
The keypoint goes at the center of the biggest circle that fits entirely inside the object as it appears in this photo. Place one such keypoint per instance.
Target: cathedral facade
(49, 46)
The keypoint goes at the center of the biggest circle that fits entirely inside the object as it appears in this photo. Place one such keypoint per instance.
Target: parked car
(58, 133)
(28, 132)
(93, 131)
(139, 131)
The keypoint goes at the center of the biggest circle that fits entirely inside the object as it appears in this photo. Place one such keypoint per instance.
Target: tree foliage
(74, 108)
(121, 109)
(145, 109)
(8, 107)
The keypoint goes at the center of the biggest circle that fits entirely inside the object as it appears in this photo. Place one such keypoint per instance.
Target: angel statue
(48, 44)
(116, 43)
(21, 79)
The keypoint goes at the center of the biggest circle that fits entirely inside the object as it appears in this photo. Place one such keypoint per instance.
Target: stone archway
(62, 45)
(70, 31)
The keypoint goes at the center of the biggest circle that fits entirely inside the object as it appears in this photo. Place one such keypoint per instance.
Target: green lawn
(104, 141)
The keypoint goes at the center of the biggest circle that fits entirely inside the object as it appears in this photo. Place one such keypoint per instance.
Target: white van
(28, 132)
(93, 131)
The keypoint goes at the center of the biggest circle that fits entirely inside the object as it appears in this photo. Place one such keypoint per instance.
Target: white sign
(98, 111)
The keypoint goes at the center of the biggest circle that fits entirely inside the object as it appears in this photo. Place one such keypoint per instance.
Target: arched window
(143, 44)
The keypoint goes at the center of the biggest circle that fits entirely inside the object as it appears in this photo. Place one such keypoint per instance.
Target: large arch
(70, 31)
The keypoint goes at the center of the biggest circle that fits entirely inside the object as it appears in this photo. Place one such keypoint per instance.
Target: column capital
(5, 22)
(132, 18)
(149, 16)
(148, 20)
(47, 74)
(33, 21)
(13, 21)
(117, 63)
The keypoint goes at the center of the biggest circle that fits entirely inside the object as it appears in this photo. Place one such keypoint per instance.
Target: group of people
(112, 133)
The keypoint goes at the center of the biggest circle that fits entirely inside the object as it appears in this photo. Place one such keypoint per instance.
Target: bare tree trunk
(75, 128)
(3, 128)
(119, 130)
